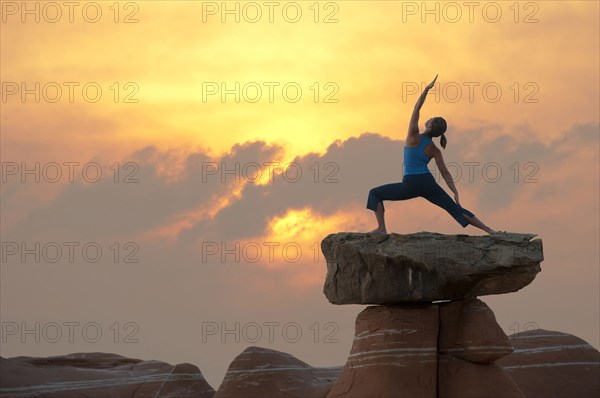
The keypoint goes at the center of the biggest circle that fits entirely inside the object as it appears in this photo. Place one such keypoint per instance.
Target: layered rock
(427, 350)
(406, 346)
(412, 344)
(469, 342)
(425, 266)
(394, 353)
(547, 363)
(458, 378)
(99, 375)
(469, 331)
(261, 372)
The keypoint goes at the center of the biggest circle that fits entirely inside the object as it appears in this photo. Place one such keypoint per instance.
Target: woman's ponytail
(439, 127)
(443, 141)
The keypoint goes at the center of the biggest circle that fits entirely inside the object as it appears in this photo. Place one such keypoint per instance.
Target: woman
(417, 180)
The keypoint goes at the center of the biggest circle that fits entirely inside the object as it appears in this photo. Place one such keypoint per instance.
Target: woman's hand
(456, 198)
(430, 85)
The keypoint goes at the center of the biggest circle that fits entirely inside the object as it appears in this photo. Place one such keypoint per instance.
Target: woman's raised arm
(413, 125)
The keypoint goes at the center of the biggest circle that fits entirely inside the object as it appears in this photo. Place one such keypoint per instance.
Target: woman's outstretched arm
(413, 125)
(441, 165)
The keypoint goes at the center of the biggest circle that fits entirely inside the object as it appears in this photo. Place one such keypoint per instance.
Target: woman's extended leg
(395, 191)
(436, 195)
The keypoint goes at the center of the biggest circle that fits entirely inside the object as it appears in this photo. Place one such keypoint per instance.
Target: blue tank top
(415, 158)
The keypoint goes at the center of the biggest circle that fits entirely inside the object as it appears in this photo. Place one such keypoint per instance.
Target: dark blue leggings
(414, 185)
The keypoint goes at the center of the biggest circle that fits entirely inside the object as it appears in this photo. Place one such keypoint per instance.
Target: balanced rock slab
(364, 268)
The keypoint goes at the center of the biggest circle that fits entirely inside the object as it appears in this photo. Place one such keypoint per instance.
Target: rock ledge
(365, 268)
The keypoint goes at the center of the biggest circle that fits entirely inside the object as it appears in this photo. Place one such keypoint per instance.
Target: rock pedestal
(394, 350)
(469, 343)
(427, 350)
(469, 331)
(412, 344)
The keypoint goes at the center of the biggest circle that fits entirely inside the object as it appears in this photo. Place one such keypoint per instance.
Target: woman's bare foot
(378, 231)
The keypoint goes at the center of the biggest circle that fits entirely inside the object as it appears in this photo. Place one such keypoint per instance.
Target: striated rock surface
(394, 354)
(367, 268)
(263, 373)
(99, 375)
(469, 331)
(547, 363)
(398, 351)
(443, 350)
(458, 378)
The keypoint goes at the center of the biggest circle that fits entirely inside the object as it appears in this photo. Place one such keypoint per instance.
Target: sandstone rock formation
(469, 342)
(458, 378)
(99, 375)
(260, 372)
(547, 363)
(426, 266)
(413, 344)
(410, 345)
(469, 331)
(427, 350)
(394, 354)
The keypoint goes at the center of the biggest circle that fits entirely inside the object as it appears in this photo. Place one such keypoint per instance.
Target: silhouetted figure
(417, 180)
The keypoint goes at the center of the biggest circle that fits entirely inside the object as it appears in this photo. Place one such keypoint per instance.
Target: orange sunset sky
(142, 82)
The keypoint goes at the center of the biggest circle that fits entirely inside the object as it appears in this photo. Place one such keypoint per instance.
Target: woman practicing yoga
(417, 180)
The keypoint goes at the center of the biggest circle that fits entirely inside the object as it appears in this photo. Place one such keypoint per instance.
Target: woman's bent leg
(394, 191)
(380, 217)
